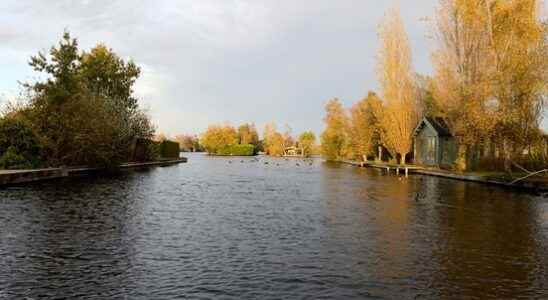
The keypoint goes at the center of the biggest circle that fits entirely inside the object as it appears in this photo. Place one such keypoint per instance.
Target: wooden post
(406, 171)
(397, 170)
(380, 153)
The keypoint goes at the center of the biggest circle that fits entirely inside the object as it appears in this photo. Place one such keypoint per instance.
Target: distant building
(293, 151)
(434, 145)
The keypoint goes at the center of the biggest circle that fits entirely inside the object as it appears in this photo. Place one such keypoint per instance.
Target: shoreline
(12, 177)
(530, 186)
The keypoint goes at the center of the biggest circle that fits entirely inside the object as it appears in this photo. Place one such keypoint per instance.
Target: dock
(414, 169)
(10, 177)
(405, 169)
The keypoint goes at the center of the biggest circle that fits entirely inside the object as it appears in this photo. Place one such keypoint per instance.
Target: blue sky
(222, 61)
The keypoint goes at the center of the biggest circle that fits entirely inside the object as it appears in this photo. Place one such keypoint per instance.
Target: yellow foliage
(400, 114)
(334, 138)
(218, 136)
(273, 140)
(363, 125)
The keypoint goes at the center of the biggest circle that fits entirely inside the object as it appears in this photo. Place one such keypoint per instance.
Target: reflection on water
(215, 229)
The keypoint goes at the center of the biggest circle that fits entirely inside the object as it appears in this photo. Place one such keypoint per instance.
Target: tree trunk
(364, 157)
(402, 158)
(506, 155)
(461, 158)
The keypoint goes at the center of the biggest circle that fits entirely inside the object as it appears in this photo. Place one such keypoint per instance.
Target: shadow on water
(270, 228)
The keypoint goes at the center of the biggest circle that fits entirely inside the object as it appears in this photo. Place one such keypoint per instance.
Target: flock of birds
(310, 162)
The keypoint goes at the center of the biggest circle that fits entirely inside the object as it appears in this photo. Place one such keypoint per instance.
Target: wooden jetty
(429, 171)
(405, 169)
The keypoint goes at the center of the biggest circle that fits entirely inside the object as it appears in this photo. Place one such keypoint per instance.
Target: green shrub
(152, 151)
(11, 160)
(237, 150)
(19, 146)
(169, 149)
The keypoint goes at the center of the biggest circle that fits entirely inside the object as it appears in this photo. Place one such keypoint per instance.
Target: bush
(11, 160)
(19, 146)
(169, 149)
(237, 150)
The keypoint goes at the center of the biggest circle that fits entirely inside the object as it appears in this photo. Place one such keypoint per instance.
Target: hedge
(169, 149)
(237, 150)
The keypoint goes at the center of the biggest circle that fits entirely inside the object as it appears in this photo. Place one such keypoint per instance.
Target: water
(215, 229)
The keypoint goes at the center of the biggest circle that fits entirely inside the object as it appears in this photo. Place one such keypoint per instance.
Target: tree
(85, 112)
(247, 134)
(334, 138)
(218, 136)
(490, 73)
(519, 43)
(288, 138)
(276, 144)
(463, 67)
(273, 141)
(400, 114)
(425, 97)
(363, 129)
(307, 140)
(268, 132)
(188, 142)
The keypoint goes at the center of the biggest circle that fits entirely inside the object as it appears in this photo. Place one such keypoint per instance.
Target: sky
(216, 61)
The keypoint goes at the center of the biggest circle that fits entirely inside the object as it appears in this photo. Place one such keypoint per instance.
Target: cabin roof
(438, 124)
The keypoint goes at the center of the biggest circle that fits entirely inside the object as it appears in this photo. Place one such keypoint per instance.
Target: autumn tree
(188, 142)
(288, 137)
(363, 132)
(518, 41)
(307, 140)
(490, 72)
(218, 136)
(396, 76)
(462, 72)
(334, 138)
(425, 96)
(276, 144)
(247, 134)
(273, 141)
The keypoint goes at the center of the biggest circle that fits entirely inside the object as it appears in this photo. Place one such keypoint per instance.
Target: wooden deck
(407, 169)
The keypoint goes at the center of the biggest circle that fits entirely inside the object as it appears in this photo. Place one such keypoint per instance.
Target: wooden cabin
(433, 143)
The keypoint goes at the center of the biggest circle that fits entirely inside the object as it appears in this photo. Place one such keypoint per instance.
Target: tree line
(225, 139)
(83, 112)
(489, 85)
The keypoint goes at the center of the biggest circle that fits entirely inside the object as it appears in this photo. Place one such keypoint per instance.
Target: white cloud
(221, 60)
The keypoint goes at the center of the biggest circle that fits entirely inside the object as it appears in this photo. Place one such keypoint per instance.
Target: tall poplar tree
(396, 76)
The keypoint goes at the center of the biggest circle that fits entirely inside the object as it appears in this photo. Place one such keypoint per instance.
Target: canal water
(238, 228)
